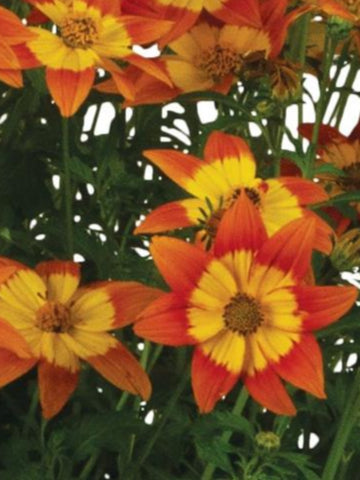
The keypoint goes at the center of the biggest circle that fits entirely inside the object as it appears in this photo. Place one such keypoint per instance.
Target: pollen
(219, 61)
(79, 31)
(243, 314)
(53, 317)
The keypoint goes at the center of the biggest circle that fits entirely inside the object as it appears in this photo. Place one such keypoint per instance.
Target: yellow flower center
(243, 314)
(78, 31)
(53, 317)
(212, 222)
(219, 61)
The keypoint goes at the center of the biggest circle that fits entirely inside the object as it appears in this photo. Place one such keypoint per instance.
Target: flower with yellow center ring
(62, 324)
(246, 309)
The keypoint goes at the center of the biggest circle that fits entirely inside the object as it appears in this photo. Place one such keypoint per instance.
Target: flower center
(78, 31)
(219, 61)
(53, 317)
(351, 182)
(243, 314)
(212, 222)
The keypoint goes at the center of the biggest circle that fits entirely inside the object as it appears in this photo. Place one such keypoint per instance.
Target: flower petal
(180, 263)
(306, 191)
(210, 381)
(10, 339)
(290, 248)
(122, 369)
(165, 321)
(250, 236)
(181, 213)
(13, 367)
(266, 388)
(303, 367)
(69, 89)
(56, 384)
(323, 305)
(61, 279)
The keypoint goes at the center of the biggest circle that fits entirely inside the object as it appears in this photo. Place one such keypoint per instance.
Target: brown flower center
(79, 31)
(219, 61)
(243, 314)
(53, 317)
(350, 182)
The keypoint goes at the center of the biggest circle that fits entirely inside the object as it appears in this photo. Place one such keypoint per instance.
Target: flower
(63, 323)
(228, 169)
(245, 308)
(186, 14)
(340, 151)
(91, 35)
(14, 55)
(346, 253)
(346, 9)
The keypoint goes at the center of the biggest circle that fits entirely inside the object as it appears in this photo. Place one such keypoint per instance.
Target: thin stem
(329, 49)
(225, 437)
(67, 189)
(31, 413)
(166, 414)
(340, 108)
(347, 422)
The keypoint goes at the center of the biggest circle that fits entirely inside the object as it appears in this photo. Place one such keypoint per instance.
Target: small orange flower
(62, 323)
(14, 55)
(92, 33)
(228, 169)
(246, 309)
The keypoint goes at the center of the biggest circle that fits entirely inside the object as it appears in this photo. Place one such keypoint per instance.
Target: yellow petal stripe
(92, 310)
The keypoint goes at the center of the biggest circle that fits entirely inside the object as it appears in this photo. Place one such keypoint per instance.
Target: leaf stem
(67, 189)
(347, 422)
(237, 410)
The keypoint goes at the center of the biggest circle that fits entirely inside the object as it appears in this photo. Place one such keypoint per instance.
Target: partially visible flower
(340, 151)
(346, 9)
(216, 182)
(92, 34)
(186, 13)
(14, 55)
(245, 308)
(63, 323)
(346, 252)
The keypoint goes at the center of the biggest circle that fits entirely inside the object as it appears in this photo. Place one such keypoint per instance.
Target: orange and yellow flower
(185, 13)
(246, 309)
(92, 34)
(228, 169)
(340, 151)
(14, 55)
(63, 324)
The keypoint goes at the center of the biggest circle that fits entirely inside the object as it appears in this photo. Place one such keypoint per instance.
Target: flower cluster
(243, 290)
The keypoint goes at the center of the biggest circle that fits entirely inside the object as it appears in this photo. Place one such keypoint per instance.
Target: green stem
(67, 189)
(31, 413)
(344, 97)
(225, 437)
(347, 422)
(89, 466)
(166, 414)
(329, 49)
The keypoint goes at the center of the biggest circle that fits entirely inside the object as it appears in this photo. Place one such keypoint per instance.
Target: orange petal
(56, 384)
(239, 12)
(290, 248)
(61, 278)
(180, 263)
(327, 134)
(69, 89)
(249, 236)
(13, 367)
(183, 20)
(105, 7)
(151, 67)
(11, 77)
(266, 388)
(176, 165)
(122, 369)
(11, 28)
(323, 305)
(25, 56)
(303, 366)
(323, 233)
(165, 321)
(306, 191)
(355, 134)
(333, 7)
(182, 213)
(210, 381)
(145, 30)
(129, 299)
(11, 339)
